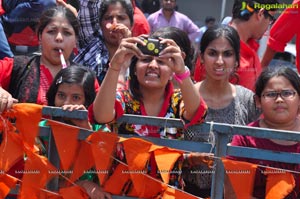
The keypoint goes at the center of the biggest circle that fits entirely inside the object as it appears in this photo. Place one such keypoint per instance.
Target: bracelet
(123, 84)
(180, 77)
(112, 68)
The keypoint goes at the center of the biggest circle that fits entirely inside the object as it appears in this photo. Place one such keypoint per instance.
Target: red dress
(285, 28)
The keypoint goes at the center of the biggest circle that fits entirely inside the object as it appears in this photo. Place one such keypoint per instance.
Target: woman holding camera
(150, 90)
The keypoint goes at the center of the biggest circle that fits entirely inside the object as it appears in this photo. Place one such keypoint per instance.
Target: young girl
(227, 103)
(277, 94)
(73, 88)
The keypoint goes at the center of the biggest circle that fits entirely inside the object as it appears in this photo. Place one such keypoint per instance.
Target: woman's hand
(172, 53)
(126, 50)
(70, 7)
(80, 123)
(93, 190)
(6, 100)
(120, 29)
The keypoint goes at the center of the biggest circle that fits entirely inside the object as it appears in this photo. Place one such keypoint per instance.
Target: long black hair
(74, 74)
(230, 34)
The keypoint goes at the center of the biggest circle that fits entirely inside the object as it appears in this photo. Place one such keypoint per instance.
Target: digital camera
(153, 46)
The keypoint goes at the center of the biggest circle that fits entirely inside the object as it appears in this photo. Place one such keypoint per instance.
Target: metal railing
(222, 132)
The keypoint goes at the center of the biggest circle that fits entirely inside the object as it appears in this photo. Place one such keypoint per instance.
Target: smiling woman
(29, 78)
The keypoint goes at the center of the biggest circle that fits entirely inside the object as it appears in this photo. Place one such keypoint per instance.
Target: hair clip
(59, 80)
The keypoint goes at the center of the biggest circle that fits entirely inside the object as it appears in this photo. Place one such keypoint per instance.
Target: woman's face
(279, 109)
(69, 94)
(219, 59)
(115, 14)
(153, 72)
(58, 34)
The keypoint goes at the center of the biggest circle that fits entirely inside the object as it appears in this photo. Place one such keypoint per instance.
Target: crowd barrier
(219, 146)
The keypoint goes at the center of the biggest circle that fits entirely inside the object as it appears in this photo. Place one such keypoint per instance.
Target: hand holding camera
(153, 46)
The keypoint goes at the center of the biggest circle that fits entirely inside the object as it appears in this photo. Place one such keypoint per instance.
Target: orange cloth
(28, 116)
(67, 151)
(137, 155)
(11, 150)
(84, 161)
(37, 172)
(102, 145)
(172, 193)
(6, 183)
(119, 180)
(241, 176)
(165, 159)
(279, 183)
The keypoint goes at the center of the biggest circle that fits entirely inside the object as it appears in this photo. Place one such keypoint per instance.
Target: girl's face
(219, 59)
(153, 72)
(69, 94)
(279, 101)
(58, 34)
(115, 14)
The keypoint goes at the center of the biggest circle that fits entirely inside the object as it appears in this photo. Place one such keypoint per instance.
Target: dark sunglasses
(271, 17)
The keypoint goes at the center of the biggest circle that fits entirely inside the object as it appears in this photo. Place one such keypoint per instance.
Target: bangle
(123, 84)
(180, 77)
(112, 68)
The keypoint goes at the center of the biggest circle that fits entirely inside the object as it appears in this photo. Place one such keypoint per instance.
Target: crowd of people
(86, 55)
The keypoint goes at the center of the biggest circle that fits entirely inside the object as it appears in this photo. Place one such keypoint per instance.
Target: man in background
(168, 16)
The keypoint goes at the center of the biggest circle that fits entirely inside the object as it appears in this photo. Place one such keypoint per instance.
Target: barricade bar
(58, 112)
(255, 153)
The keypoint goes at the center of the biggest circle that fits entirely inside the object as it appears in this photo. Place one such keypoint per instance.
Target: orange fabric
(172, 193)
(241, 176)
(11, 150)
(165, 159)
(84, 160)
(117, 182)
(28, 116)
(279, 183)
(74, 192)
(67, 151)
(149, 188)
(49, 195)
(37, 172)
(6, 183)
(137, 156)
(104, 150)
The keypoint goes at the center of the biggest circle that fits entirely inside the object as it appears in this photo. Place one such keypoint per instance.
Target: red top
(141, 25)
(6, 66)
(250, 67)
(45, 82)
(284, 29)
